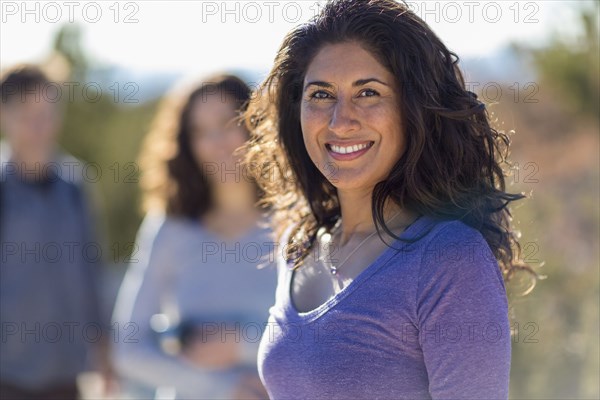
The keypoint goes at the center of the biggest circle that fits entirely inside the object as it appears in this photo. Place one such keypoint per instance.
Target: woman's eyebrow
(362, 82)
(318, 83)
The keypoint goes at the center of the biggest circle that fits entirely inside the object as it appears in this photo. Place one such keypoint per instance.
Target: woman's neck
(233, 197)
(233, 212)
(357, 218)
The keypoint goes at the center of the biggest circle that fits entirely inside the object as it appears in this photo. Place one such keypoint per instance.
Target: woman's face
(215, 135)
(350, 117)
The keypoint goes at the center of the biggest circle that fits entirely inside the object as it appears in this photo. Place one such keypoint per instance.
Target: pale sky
(201, 36)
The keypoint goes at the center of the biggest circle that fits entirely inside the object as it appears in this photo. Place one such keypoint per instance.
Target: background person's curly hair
(451, 168)
(172, 181)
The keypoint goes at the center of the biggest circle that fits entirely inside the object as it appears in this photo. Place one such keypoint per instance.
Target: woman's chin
(350, 180)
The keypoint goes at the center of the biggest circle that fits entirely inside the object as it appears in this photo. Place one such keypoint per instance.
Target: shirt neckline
(305, 317)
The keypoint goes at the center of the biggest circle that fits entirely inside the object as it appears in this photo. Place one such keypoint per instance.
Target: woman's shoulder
(161, 229)
(261, 231)
(455, 249)
(152, 223)
(448, 233)
(449, 241)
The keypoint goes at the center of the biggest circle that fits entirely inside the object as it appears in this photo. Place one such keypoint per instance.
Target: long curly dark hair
(452, 168)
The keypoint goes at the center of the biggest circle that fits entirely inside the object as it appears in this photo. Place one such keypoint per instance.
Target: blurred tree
(68, 44)
(572, 66)
(557, 353)
(105, 131)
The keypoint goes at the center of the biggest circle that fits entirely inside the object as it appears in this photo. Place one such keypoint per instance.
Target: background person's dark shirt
(49, 309)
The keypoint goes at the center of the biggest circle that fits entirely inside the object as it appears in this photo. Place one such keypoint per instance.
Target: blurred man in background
(50, 261)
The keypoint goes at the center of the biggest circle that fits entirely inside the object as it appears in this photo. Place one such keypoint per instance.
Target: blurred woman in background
(193, 304)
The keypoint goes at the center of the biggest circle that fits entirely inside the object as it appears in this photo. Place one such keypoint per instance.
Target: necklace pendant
(333, 270)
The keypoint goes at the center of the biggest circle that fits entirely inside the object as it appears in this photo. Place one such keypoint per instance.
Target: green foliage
(557, 354)
(68, 44)
(572, 66)
(106, 134)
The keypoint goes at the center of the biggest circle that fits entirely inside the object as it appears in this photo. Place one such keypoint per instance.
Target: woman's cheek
(311, 119)
(312, 146)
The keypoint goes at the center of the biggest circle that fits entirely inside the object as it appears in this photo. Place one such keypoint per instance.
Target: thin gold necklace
(326, 241)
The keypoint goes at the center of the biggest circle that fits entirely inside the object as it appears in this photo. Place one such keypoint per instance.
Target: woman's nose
(343, 117)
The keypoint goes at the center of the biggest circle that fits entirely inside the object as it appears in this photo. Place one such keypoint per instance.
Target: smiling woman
(364, 127)
(350, 110)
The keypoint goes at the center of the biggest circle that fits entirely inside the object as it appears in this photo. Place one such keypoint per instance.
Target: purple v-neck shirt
(427, 321)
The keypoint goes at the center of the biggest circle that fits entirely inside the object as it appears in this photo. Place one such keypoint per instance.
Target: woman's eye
(319, 94)
(368, 93)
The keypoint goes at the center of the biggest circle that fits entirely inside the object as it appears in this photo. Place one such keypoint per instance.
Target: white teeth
(348, 149)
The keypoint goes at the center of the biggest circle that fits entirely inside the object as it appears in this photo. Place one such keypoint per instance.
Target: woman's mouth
(348, 151)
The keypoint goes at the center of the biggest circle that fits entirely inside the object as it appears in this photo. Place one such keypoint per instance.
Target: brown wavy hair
(452, 166)
(172, 181)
